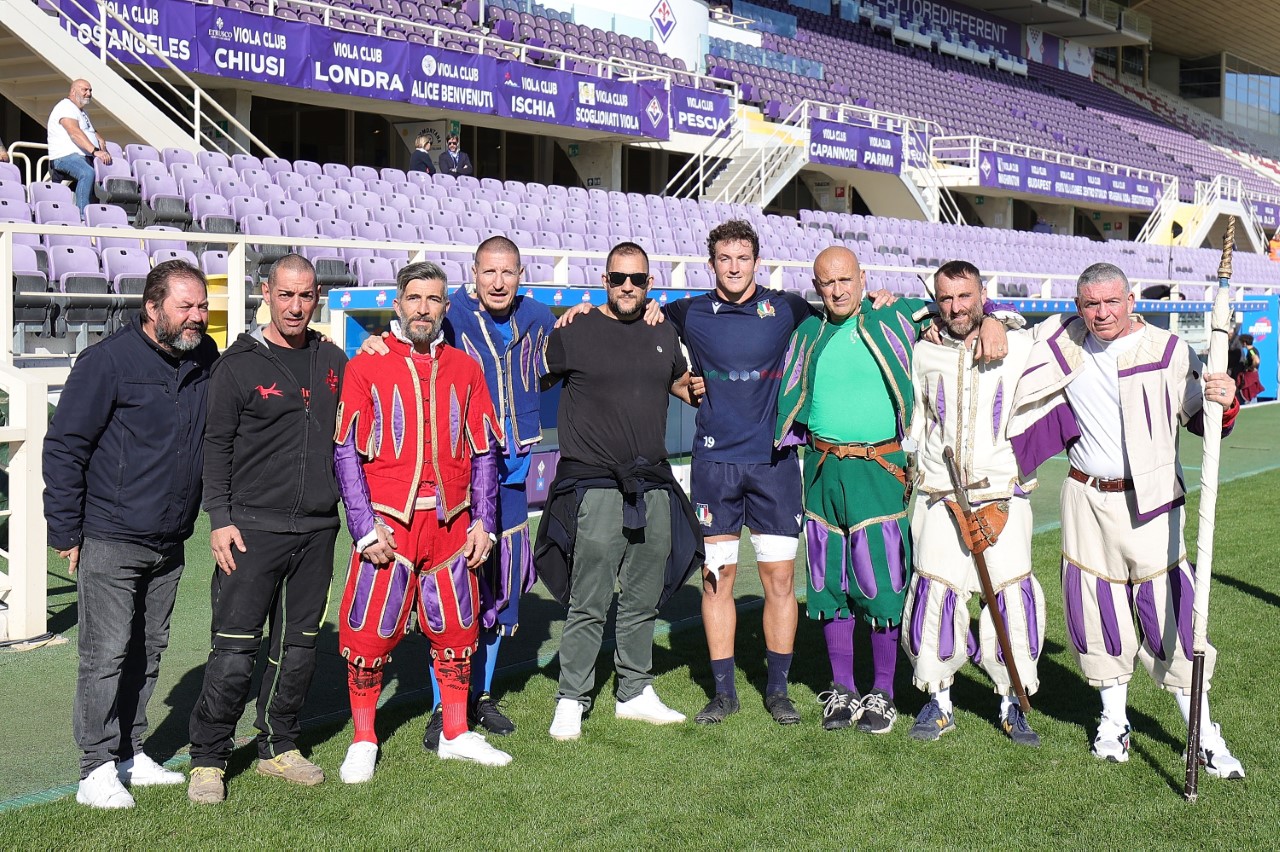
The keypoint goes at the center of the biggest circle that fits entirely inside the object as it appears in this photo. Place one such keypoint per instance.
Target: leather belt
(874, 452)
(1109, 486)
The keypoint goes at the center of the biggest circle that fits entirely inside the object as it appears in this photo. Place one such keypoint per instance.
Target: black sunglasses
(640, 279)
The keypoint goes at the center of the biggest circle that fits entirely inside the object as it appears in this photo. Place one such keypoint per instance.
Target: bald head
(840, 281)
(81, 93)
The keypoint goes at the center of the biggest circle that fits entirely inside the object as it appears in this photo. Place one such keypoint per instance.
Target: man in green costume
(847, 391)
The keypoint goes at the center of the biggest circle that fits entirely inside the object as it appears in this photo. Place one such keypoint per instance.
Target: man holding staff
(1114, 392)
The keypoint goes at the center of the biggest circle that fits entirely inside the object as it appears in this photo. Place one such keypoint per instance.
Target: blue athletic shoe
(932, 723)
(1016, 727)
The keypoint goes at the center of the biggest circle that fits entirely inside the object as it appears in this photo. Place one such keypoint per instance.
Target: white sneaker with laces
(471, 746)
(1216, 757)
(102, 789)
(141, 771)
(1112, 743)
(647, 707)
(358, 766)
(567, 722)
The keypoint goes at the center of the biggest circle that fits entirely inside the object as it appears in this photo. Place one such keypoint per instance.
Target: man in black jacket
(613, 421)
(122, 463)
(272, 499)
(454, 161)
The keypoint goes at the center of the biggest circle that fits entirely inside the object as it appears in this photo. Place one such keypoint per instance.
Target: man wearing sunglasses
(616, 515)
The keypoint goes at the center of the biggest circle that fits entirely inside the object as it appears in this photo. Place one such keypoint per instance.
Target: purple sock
(779, 668)
(722, 670)
(884, 656)
(839, 636)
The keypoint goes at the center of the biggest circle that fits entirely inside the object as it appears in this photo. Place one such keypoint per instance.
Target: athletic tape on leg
(720, 554)
(774, 548)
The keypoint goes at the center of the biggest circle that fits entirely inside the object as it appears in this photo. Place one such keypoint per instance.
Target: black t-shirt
(617, 376)
(297, 362)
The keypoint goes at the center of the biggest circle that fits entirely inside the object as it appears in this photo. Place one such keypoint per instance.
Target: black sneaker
(1016, 727)
(878, 713)
(932, 723)
(839, 707)
(435, 728)
(781, 708)
(485, 713)
(718, 709)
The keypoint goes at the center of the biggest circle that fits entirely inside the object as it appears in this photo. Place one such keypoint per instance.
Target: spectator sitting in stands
(455, 161)
(420, 159)
(74, 144)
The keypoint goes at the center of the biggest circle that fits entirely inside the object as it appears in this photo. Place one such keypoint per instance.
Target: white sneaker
(1216, 757)
(358, 766)
(471, 746)
(102, 789)
(567, 723)
(647, 707)
(1112, 743)
(141, 771)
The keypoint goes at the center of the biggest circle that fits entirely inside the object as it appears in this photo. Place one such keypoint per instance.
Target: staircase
(769, 156)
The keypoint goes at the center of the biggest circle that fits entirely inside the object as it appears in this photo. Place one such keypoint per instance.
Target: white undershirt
(1095, 398)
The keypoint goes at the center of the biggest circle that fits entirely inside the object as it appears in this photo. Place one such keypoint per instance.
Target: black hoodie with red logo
(268, 442)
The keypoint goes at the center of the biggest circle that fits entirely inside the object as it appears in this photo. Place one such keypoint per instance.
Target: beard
(625, 316)
(962, 326)
(421, 331)
(178, 336)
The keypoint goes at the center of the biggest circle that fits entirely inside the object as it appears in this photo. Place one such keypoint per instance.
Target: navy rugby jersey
(738, 349)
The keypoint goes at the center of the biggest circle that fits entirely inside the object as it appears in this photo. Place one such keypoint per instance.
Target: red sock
(364, 686)
(454, 677)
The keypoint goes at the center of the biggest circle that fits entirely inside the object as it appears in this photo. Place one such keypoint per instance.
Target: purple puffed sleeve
(484, 490)
(355, 491)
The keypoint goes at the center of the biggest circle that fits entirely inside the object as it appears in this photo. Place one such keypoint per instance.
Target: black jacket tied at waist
(553, 551)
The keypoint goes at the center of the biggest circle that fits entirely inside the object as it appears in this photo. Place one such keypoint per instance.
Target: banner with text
(698, 111)
(963, 21)
(854, 147)
(164, 29)
(244, 45)
(1268, 214)
(1085, 186)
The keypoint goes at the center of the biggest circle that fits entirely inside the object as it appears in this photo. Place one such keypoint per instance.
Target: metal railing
(1166, 207)
(964, 151)
(748, 178)
(198, 105)
(695, 176)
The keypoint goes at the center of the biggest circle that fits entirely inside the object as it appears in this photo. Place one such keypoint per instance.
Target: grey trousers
(604, 557)
(126, 599)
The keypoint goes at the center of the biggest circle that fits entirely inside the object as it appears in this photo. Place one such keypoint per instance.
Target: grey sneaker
(932, 723)
(1017, 728)
(840, 707)
(878, 713)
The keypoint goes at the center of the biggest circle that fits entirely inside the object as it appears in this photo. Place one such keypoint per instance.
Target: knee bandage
(774, 548)
(721, 553)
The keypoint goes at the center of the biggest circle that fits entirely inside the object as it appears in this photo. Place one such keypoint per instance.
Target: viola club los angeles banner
(1023, 174)
(226, 42)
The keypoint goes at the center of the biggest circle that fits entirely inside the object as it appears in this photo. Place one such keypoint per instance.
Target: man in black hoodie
(272, 499)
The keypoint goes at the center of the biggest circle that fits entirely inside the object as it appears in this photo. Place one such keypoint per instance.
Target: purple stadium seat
(385, 215)
(32, 314)
(336, 197)
(115, 184)
(240, 162)
(194, 184)
(76, 271)
(141, 152)
(393, 176)
(167, 254)
(213, 214)
(351, 213)
(48, 191)
(275, 165)
(307, 167)
(282, 207)
(208, 159)
(321, 182)
(290, 180)
(247, 205)
(169, 156)
(336, 170)
(317, 210)
(364, 173)
(403, 232)
(269, 192)
(373, 271)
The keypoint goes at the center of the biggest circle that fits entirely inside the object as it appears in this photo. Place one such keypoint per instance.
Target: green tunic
(857, 529)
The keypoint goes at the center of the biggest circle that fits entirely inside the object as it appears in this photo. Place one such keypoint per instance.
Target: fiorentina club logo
(664, 20)
(764, 309)
(704, 514)
(654, 111)
(986, 167)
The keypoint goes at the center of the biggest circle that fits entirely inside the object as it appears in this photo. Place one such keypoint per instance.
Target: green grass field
(744, 784)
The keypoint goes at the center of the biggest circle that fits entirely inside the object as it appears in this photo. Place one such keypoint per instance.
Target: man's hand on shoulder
(653, 313)
(576, 311)
(881, 298)
(993, 341)
(221, 541)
